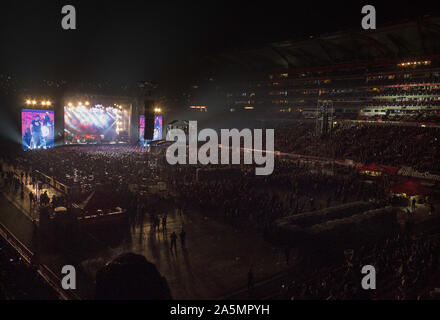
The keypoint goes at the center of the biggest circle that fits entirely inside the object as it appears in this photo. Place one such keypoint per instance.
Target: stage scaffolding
(325, 114)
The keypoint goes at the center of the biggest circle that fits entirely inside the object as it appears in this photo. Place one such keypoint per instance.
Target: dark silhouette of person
(31, 200)
(173, 238)
(164, 223)
(131, 277)
(182, 238)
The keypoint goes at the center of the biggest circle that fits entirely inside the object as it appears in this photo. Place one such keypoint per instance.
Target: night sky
(132, 40)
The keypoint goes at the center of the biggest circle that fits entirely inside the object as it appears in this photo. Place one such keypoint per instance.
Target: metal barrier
(48, 275)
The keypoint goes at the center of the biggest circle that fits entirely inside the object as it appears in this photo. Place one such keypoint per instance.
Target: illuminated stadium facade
(391, 71)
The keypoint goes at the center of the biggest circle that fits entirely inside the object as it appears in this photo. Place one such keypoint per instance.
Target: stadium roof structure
(388, 44)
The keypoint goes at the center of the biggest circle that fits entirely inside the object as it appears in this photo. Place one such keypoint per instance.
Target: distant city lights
(414, 63)
(200, 108)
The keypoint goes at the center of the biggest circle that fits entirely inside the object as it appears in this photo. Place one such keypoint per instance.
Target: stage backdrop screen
(95, 124)
(157, 135)
(37, 129)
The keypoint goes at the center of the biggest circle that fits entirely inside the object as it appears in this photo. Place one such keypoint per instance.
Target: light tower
(324, 117)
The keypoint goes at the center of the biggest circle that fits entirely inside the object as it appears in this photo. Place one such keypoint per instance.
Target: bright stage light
(158, 110)
(34, 102)
(28, 101)
(43, 103)
(48, 103)
(87, 103)
(70, 104)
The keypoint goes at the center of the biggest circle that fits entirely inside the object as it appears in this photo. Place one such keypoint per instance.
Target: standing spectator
(182, 238)
(31, 200)
(164, 223)
(173, 238)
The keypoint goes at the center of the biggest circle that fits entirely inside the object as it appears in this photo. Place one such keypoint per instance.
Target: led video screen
(37, 129)
(157, 134)
(95, 124)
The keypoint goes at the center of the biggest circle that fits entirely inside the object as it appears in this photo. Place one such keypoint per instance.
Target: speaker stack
(149, 120)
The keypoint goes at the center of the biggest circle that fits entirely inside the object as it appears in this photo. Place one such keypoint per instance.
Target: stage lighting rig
(34, 102)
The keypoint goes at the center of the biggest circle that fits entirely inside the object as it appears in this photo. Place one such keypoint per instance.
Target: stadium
(86, 179)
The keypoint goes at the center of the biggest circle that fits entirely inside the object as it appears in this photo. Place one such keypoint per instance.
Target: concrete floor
(215, 261)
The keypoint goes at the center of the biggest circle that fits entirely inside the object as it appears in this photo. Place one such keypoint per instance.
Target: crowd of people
(293, 188)
(106, 177)
(406, 268)
(103, 169)
(412, 146)
(26, 184)
(121, 177)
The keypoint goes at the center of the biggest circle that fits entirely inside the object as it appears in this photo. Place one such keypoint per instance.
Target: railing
(27, 255)
(61, 187)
